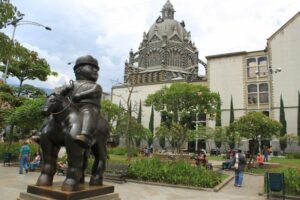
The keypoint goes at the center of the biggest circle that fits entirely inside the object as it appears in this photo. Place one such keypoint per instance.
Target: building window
(262, 66)
(259, 64)
(251, 67)
(263, 93)
(252, 94)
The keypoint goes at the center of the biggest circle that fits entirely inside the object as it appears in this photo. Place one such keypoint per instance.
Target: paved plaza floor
(12, 183)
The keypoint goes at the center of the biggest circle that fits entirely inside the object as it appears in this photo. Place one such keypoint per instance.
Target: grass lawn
(285, 163)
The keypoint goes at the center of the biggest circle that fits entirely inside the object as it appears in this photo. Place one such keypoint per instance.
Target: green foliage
(184, 97)
(255, 126)
(6, 47)
(151, 121)
(14, 149)
(292, 155)
(129, 127)
(218, 114)
(176, 134)
(139, 119)
(292, 177)
(219, 136)
(26, 65)
(120, 151)
(28, 116)
(8, 13)
(181, 101)
(178, 172)
(283, 142)
(29, 91)
(112, 113)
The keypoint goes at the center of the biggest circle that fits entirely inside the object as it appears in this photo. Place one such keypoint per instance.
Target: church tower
(165, 54)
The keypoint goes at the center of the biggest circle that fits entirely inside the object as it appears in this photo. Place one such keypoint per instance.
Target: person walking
(24, 157)
(239, 162)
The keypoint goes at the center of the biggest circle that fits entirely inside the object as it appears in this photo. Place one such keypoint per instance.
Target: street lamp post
(15, 23)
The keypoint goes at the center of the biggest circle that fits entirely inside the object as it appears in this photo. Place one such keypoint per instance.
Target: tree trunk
(20, 87)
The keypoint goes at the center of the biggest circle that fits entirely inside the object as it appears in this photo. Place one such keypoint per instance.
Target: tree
(283, 142)
(6, 49)
(298, 120)
(219, 136)
(176, 134)
(111, 112)
(218, 114)
(256, 126)
(139, 119)
(151, 127)
(182, 98)
(231, 135)
(8, 12)
(231, 118)
(182, 102)
(29, 91)
(26, 65)
(27, 117)
(134, 132)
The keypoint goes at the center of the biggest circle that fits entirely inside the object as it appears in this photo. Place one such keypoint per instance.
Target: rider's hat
(83, 60)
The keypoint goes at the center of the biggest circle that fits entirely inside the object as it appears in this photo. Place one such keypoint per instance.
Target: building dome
(166, 53)
(167, 27)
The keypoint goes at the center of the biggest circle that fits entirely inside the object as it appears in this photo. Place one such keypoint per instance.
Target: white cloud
(109, 29)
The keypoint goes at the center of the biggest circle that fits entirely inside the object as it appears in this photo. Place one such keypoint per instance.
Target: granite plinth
(54, 192)
(29, 196)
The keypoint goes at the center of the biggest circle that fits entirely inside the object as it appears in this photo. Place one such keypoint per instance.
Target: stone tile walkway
(11, 184)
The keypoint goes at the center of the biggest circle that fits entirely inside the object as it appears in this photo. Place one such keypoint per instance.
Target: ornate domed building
(166, 53)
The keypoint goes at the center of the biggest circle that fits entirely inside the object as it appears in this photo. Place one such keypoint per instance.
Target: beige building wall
(226, 76)
(284, 49)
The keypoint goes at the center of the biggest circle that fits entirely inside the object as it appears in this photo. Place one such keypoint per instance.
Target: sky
(108, 30)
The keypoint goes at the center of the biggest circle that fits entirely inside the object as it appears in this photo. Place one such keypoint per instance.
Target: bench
(7, 159)
(116, 172)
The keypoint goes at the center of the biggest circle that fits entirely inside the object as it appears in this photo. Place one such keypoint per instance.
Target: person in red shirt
(259, 160)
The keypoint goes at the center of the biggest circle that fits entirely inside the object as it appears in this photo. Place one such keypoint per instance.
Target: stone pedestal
(86, 192)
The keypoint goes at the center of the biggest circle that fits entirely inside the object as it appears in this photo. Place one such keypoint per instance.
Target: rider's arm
(94, 92)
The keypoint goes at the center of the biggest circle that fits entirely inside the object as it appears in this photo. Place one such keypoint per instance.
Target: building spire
(168, 11)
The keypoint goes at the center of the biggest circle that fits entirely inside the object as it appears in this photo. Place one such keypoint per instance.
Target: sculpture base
(86, 192)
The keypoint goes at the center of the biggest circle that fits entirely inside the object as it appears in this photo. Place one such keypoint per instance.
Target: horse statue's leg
(100, 152)
(49, 152)
(75, 164)
(84, 164)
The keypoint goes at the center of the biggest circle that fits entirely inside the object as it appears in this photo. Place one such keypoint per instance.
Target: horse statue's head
(54, 104)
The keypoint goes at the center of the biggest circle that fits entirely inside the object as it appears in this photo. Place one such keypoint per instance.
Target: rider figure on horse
(85, 93)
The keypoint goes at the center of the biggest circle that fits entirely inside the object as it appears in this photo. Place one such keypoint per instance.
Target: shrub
(176, 172)
(122, 151)
(14, 149)
(292, 177)
(293, 155)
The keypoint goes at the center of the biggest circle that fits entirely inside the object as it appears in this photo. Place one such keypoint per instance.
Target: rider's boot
(84, 140)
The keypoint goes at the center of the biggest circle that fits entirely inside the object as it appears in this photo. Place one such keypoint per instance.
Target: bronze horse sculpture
(63, 122)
